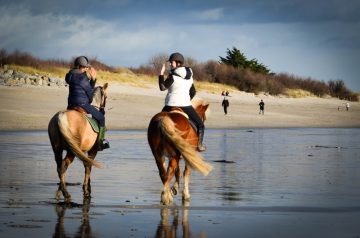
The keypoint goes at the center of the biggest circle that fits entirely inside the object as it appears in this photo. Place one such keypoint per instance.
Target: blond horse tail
(191, 156)
(73, 142)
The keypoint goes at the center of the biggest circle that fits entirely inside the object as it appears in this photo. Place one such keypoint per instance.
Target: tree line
(233, 69)
(252, 76)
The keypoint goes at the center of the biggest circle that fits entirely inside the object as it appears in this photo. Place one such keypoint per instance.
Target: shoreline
(30, 108)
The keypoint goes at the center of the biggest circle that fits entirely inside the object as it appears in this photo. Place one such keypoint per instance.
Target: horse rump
(73, 141)
(193, 158)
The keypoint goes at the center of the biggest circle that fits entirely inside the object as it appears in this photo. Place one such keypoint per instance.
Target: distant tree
(234, 58)
(257, 67)
(238, 60)
(2, 57)
(157, 61)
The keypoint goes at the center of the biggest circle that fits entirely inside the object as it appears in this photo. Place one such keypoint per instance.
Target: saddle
(180, 111)
(94, 124)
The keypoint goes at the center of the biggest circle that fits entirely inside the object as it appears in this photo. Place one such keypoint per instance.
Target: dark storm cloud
(319, 39)
(235, 11)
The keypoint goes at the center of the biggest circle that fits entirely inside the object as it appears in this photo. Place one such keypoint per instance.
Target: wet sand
(308, 189)
(139, 221)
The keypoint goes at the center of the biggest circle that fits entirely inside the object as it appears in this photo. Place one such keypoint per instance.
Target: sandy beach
(302, 191)
(128, 107)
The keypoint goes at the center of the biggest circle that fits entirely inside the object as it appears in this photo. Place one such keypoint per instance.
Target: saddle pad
(180, 112)
(94, 124)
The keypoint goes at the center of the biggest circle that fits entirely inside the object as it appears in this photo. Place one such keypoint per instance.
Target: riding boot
(102, 143)
(201, 146)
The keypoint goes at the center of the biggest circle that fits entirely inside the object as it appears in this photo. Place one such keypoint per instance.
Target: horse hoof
(58, 195)
(174, 191)
(186, 198)
(166, 199)
(87, 196)
(67, 199)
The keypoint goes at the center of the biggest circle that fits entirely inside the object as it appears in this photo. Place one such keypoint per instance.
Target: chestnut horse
(69, 130)
(171, 135)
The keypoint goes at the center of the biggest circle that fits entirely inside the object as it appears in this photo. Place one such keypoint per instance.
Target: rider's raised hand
(93, 73)
(162, 69)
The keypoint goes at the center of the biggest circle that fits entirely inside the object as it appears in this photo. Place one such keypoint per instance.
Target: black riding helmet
(177, 57)
(81, 61)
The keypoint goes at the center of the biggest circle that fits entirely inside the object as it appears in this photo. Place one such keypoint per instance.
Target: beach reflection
(169, 223)
(84, 230)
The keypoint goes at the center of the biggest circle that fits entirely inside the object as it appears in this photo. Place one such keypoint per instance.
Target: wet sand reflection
(84, 230)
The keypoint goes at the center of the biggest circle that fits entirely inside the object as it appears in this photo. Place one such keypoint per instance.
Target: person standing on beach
(225, 103)
(262, 107)
(347, 106)
(181, 89)
(81, 79)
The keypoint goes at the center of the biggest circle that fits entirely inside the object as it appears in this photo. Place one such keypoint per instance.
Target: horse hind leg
(175, 187)
(166, 195)
(87, 185)
(160, 162)
(185, 191)
(62, 166)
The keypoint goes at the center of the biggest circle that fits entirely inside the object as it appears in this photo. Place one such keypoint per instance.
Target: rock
(28, 81)
(9, 77)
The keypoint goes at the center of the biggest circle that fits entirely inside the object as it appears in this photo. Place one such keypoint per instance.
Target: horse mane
(96, 97)
(196, 102)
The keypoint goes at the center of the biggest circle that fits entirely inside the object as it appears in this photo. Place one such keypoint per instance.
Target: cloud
(64, 36)
(209, 15)
(318, 40)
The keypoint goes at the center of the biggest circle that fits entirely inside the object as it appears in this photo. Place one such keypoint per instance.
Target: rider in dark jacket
(80, 94)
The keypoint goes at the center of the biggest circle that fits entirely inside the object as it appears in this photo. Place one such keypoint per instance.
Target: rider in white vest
(180, 86)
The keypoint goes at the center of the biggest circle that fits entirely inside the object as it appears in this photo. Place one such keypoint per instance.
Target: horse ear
(105, 86)
(206, 107)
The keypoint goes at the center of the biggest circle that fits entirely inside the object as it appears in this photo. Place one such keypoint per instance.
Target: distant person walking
(347, 106)
(262, 107)
(225, 103)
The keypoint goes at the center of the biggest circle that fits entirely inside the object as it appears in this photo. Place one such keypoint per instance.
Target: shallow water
(271, 167)
(273, 170)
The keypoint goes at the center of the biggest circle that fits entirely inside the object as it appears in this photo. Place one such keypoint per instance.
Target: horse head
(201, 107)
(99, 97)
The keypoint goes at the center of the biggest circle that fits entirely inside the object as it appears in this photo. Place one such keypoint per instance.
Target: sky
(317, 39)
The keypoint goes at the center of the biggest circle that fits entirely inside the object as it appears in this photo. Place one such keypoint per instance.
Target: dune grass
(123, 76)
(298, 93)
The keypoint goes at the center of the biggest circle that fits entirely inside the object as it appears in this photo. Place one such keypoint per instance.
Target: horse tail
(72, 141)
(191, 156)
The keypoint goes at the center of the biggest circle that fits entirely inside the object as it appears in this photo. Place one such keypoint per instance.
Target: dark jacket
(80, 88)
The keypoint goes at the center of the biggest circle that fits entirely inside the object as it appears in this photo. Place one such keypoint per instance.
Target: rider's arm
(165, 84)
(192, 91)
(85, 84)
(92, 83)
(92, 77)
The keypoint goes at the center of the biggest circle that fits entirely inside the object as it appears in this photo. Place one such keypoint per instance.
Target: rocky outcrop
(9, 77)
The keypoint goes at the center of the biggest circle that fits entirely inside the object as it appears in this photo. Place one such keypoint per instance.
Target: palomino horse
(170, 134)
(70, 130)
